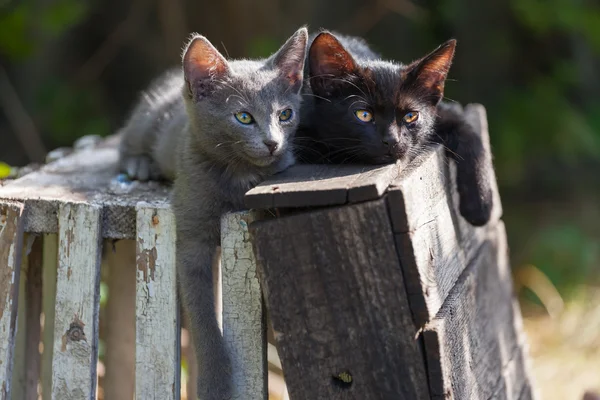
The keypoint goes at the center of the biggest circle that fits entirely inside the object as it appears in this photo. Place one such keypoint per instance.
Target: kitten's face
(247, 111)
(375, 112)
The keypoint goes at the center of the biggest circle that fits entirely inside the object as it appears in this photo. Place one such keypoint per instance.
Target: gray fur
(184, 129)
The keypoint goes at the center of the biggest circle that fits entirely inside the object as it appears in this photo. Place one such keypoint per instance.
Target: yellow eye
(364, 115)
(411, 117)
(285, 114)
(244, 118)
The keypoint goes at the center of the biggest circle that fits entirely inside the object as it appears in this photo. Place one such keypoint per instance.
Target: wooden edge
(157, 356)
(244, 326)
(11, 244)
(77, 304)
(306, 185)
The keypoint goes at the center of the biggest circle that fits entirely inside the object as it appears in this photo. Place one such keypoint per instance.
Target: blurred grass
(565, 350)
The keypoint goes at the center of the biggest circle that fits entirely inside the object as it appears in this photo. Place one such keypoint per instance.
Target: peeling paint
(146, 262)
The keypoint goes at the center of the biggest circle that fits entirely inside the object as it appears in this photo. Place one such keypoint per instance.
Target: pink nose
(271, 145)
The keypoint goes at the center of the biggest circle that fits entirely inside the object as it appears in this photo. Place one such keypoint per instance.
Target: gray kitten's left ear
(289, 59)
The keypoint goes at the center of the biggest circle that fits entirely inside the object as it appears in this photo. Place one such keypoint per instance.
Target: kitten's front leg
(473, 160)
(197, 208)
(194, 264)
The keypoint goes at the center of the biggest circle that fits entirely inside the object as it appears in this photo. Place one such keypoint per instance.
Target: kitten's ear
(202, 65)
(289, 59)
(328, 59)
(430, 72)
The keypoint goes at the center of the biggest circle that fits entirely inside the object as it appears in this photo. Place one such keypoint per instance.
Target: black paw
(477, 210)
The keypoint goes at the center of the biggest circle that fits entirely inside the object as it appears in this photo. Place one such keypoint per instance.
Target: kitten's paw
(140, 167)
(477, 210)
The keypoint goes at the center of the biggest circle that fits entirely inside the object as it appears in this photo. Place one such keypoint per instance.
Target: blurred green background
(74, 67)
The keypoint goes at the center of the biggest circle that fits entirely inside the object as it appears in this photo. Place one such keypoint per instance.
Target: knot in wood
(155, 220)
(75, 332)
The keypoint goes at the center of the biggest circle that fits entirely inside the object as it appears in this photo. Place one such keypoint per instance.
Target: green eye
(411, 117)
(364, 115)
(244, 118)
(285, 114)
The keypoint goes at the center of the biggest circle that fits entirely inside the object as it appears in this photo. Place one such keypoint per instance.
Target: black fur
(344, 76)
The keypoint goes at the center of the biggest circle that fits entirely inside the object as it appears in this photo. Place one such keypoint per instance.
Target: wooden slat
(435, 243)
(11, 240)
(87, 175)
(157, 367)
(244, 328)
(49, 273)
(33, 293)
(26, 370)
(322, 185)
(77, 302)
(475, 345)
(337, 302)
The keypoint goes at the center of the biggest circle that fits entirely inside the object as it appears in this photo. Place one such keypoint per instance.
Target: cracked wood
(75, 350)
(157, 365)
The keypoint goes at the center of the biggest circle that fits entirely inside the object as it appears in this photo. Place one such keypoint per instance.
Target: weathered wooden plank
(435, 243)
(11, 241)
(26, 370)
(17, 386)
(244, 327)
(157, 366)
(119, 333)
(475, 345)
(85, 176)
(33, 293)
(77, 302)
(322, 185)
(49, 275)
(338, 306)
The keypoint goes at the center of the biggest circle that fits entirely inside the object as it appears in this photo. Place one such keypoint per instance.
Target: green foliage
(14, 39)
(69, 111)
(4, 170)
(22, 24)
(569, 16)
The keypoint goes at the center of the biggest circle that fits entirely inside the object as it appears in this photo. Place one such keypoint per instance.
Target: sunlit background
(74, 67)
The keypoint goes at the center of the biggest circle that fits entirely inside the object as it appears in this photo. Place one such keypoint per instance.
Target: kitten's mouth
(262, 161)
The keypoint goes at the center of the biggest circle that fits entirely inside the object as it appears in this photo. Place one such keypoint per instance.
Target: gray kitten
(228, 128)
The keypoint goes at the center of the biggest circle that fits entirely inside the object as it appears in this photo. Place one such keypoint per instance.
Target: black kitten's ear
(202, 65)
(328, 60)
(430, 72)
(289, 59)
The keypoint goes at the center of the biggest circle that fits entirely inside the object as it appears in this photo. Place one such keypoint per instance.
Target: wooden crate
(376, 287)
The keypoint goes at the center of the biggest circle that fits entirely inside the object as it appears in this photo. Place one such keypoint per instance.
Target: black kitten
(359, 108)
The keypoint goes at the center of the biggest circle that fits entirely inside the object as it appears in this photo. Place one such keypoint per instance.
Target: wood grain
(157, 364)
(322, 185)
(11, 242)
(337, 302)
(244, 327)
(475, 345)
(77, 303)
(85, 176)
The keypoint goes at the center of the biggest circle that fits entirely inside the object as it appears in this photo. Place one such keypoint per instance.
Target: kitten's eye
(364, 115)
(244, 118)
(411, 117)
(286, 114)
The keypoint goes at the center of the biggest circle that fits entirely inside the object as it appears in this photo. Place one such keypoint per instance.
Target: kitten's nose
(271, 145)
(390, 142)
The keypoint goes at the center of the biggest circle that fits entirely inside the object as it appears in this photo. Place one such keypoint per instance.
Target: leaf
(4, 170)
